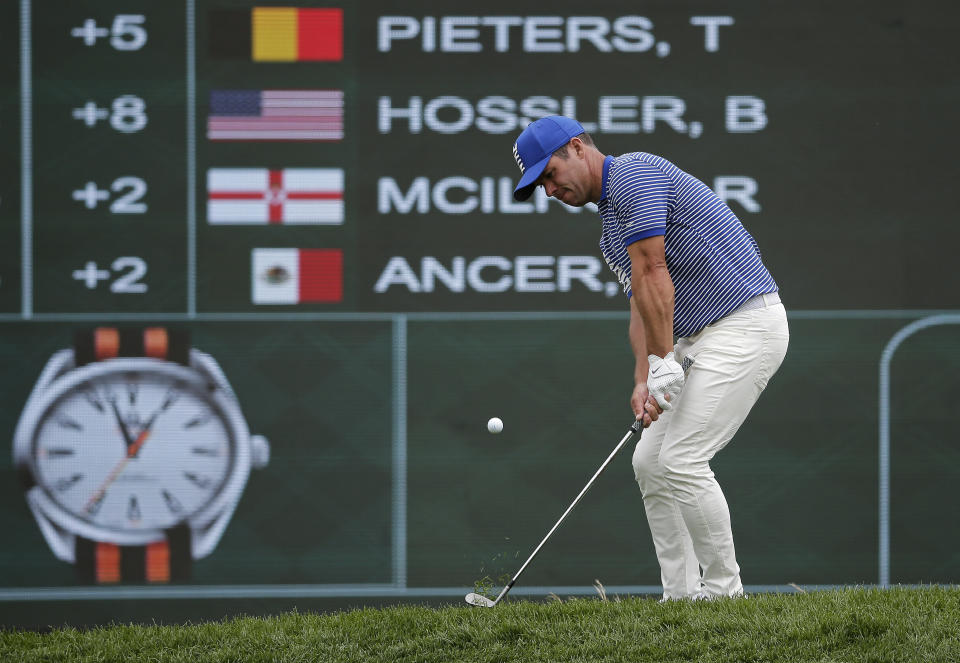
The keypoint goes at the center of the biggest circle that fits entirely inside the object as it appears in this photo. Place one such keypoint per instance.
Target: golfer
(690, 270)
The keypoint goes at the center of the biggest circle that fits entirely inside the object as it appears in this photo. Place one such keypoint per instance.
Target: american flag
(281, 115)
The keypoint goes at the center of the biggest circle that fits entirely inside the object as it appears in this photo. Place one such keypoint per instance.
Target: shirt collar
(607, 162)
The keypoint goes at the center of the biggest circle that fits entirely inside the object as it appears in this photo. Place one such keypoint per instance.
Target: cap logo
(516, 155)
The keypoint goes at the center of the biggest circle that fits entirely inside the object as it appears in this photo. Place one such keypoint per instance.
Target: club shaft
(583, 492)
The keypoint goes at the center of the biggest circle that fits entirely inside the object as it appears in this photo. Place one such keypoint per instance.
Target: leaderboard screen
(231, 156)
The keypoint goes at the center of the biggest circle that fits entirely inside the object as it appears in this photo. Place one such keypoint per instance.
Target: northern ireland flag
(295, 276)
(242, 196)
(303, 115)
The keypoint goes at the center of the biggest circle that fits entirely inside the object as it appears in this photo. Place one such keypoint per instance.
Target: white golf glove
(665, 377)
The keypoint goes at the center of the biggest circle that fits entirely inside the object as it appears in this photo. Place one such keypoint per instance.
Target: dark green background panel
(801, 475)
(10, 257)
(925, 457)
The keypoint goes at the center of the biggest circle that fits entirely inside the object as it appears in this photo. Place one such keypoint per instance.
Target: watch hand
(117, 470)
(138, 443)
(114, 473)
(133, 448)
(123, 427)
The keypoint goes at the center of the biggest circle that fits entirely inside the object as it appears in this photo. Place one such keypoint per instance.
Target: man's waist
(759, 301)
(753, 303)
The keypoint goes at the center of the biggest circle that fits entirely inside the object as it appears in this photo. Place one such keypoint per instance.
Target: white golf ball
(495, 425)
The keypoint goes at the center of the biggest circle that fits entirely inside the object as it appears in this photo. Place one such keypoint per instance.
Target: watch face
(131, 449)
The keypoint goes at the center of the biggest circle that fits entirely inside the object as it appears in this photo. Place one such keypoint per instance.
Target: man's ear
(579, 149)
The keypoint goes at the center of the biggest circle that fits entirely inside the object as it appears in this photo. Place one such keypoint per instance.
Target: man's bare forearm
(653, 299)
(638, 343)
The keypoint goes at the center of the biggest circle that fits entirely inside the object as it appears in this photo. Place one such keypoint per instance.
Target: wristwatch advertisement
(133, 453)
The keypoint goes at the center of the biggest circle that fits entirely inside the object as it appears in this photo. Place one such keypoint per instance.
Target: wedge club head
(479, 601)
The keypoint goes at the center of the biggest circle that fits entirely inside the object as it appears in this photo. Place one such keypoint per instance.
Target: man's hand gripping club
(665, 380)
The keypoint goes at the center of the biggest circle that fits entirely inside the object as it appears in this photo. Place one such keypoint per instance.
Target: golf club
(635, 428)
(482, 601)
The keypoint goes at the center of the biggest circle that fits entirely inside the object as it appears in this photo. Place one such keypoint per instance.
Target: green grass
(850, 625)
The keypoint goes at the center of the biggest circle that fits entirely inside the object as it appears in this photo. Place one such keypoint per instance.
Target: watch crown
(259, 451)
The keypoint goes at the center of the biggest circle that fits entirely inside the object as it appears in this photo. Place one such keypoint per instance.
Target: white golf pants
(734, 357)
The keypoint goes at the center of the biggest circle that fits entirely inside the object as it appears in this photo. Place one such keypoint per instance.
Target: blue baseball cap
(536, 145)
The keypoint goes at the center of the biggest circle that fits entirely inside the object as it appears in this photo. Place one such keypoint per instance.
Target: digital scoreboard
(240, 157)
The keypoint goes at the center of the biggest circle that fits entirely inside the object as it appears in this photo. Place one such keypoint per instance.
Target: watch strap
(167, 560)
(100, 343)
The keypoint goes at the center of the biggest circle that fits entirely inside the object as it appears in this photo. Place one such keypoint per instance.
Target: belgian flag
(277, 34)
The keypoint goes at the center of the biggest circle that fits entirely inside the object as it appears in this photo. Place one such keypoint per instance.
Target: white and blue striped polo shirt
(713, 261)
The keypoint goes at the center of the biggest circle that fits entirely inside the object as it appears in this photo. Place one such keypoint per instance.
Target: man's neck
(595, 159)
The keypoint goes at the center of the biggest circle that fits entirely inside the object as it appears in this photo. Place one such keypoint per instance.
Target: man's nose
(549, 188)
